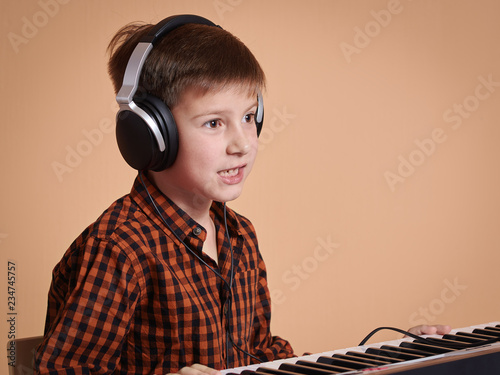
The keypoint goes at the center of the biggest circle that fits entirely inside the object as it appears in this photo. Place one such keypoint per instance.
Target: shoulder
(111, 241)
(122, 221)
(119, 229)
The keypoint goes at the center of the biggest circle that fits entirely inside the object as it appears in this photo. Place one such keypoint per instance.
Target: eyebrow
(216, 112)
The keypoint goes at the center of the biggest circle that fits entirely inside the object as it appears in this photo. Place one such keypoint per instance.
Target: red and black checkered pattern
(128, 298)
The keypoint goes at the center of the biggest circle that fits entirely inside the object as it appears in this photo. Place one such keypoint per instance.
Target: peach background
(356, 91)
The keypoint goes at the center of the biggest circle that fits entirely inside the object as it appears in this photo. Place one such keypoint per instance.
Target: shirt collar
(145, 192)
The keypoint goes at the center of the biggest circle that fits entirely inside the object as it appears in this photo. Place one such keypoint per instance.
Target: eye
(249, 118)
(212, 124)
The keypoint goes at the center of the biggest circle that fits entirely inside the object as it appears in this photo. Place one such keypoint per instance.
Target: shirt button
(197, 231)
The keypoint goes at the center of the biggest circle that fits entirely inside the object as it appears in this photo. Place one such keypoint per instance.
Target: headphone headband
(170, 23)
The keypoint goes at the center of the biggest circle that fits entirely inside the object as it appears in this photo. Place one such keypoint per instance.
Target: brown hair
(192, 55)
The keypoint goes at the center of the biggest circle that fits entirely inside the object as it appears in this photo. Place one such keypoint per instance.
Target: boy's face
(217, 146)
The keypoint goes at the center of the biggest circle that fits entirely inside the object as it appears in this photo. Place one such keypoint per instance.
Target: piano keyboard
(404, 356)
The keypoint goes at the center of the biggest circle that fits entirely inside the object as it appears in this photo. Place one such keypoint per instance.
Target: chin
(228, 196)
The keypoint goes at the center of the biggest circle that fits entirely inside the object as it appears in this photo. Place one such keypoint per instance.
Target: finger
(205, 369)
(430, 329)
(422, 330)
(197, 369)
(442, 329)
(437, 329)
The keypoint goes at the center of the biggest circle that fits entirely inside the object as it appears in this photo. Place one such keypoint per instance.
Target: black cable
(430, 340)
(229, 299)
(228, 330)
(229, 284)
(244, 351)
(177, 236)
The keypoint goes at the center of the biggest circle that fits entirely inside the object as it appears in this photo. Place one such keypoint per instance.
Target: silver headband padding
(132, 73)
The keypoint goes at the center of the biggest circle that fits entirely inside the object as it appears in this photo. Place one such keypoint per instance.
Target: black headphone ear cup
(137, 142)
(259, 115)
(162, 115)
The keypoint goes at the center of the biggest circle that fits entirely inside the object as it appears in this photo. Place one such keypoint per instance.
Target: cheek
(252, 155)
(254, 146)
(198, 155)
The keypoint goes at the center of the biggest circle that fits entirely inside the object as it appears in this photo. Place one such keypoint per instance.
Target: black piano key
(393, 354)
(407, 350)
(325, 366)
(305, 370)
(464, 339)
(474, 335)
(342, 362)
(452, 344)
(430, 348)
(486, 332)
(494, 329)
(370, 362)
(274, 371)
(374, 356)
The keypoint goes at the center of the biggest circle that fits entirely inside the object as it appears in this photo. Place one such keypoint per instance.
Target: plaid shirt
(128, 298)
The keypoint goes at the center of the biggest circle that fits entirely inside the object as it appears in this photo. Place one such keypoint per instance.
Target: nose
(239, 140)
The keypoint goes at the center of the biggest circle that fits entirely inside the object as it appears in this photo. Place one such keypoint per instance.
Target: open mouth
(233, 175)
(229, 172)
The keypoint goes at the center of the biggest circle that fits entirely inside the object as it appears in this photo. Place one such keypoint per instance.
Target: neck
(195, 205)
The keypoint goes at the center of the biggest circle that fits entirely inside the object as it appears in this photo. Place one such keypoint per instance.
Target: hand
(430, 330)
(197, 369)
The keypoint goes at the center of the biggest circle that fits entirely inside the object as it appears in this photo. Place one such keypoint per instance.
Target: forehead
(194, 95)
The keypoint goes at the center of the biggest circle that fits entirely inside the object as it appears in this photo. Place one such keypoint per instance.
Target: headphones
(145, 128)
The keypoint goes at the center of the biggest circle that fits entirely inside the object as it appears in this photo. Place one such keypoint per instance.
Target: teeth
(229, 172)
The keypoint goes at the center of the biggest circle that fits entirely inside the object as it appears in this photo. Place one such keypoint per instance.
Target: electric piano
(405, 356)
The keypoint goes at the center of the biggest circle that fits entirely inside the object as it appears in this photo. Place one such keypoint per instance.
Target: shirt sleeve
(91, 302)
(266, 347)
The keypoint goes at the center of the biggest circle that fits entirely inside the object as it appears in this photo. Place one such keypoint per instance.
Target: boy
(158, 282)
(168, 278)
